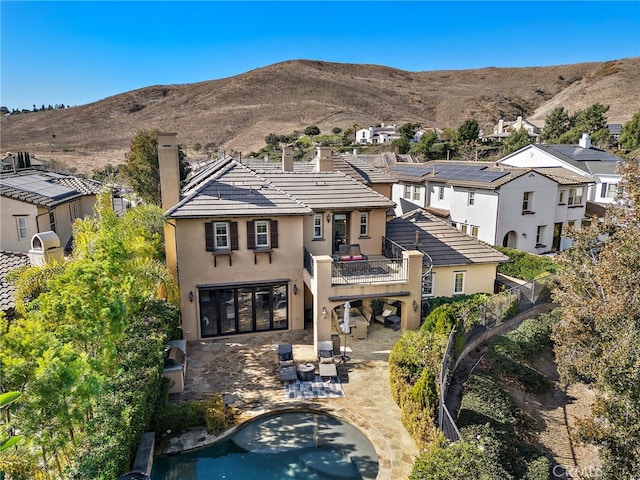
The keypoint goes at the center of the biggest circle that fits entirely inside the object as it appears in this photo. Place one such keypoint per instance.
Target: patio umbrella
(345, 329)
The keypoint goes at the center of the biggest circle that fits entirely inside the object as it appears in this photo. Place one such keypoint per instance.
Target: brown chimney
(169, 169)
(287, 159)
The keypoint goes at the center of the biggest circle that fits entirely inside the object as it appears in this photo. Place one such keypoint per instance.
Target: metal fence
(356, 272)
(446, 424)
(495, 311)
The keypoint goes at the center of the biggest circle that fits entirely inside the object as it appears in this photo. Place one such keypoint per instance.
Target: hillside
(237, 112)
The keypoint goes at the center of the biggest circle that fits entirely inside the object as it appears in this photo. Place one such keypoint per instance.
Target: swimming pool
(296, 445)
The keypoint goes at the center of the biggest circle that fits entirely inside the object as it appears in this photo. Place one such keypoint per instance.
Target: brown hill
(237, 112)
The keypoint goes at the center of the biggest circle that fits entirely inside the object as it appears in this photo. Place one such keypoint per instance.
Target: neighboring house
(456, 264)
(376, 135)
(615, 130)
(252, 247)
(10, 163)
(9, 261)
(503, 129)
(35, 201)
(523, 208)
(582, 159)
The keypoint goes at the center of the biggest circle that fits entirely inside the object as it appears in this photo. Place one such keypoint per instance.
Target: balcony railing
(384, 270)
(308, 261)
(391, 249)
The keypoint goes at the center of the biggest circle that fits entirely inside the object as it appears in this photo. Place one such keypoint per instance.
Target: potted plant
(377, 305)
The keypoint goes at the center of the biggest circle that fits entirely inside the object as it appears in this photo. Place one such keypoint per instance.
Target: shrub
(538, 469)
(526, 266)
(218, 416)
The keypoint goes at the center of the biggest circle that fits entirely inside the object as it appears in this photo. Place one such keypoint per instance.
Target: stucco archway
(510, 239)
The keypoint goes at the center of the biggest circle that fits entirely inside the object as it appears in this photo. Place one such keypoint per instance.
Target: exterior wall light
(328, 218)
(324, 312)
(415, 306)
(191, 296)
(295, 289)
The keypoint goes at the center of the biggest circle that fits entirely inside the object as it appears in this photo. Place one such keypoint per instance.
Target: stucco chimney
(500, 126)
(169, 169)
(585, 141)
(325, 159)
(518, 123)
(287, 159)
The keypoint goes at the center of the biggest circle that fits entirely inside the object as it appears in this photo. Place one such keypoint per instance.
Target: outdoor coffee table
(306, 372)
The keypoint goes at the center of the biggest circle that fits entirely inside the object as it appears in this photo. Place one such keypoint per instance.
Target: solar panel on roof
(40, 185)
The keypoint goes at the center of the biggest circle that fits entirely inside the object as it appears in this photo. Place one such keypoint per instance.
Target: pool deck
(244, 370)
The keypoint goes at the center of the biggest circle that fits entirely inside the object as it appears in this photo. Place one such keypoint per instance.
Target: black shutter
(234, 235)
(251, 235)
(274, 233)
(208, 237)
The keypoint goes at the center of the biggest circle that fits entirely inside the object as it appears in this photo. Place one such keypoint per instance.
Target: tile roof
(480, 175)
(9, 261)
(231, 189)
(46, 189)
(445, 244)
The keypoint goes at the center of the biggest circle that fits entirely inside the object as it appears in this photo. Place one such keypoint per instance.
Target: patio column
(321, 287)
(410, 317)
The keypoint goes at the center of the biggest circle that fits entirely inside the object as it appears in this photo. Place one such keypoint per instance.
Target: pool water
(291, 445)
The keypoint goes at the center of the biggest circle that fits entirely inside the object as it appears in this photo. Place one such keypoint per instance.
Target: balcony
(367, 272)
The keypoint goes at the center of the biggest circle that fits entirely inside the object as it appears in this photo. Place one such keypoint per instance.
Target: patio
(244, 370)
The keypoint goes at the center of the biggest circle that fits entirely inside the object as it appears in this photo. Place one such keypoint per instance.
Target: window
(561, 196)
(575, 196)
(262, 233)
(608, 190)
(364, 224)
(458, 282)
(527, 201)
(74, 211)
(52, 220)
(250, 308)
(571, 224)
(407, 191)
(440, 192)
(317, 225)
(540, 235)
(471, 198)
(427, 284)
(463, 228)
(474, 232)
(416, 192)
(222, 236)
(23, 231)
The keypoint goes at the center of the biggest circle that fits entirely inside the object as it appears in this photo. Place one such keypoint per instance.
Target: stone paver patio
(244, 370)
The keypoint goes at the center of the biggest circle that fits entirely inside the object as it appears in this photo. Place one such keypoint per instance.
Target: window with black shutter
(208, 237)
(251, 235)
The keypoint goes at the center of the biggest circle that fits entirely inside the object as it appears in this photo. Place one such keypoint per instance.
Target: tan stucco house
(34, 201)
(254, 248)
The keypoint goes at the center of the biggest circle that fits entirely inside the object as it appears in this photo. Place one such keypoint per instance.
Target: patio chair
(355, 253)
(286, 365)
(326, 362)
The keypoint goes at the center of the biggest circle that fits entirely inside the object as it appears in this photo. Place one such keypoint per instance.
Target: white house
(524, 208)
(503, 129)
(582, 159)
(376, 135)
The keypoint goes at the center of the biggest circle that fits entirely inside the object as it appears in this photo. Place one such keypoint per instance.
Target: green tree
(336, 130)
(597, 338)
(515, 141)
(408, 130)
(555, 124)
(401, 145)
(468, 132)
(141, 168)
(311, 131)
(272, 140)
(424, 147)
(630, 136)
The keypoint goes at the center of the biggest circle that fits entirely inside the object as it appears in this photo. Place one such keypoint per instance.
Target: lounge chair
(286, 365)
(326, 362)
(355, 253)
(389, 317)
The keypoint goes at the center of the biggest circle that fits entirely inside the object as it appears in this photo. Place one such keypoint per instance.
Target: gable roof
(446, 245)
(228, 188)
(591, 161)
(46, 189)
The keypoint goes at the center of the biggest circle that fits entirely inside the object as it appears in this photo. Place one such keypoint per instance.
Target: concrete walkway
(244, 370)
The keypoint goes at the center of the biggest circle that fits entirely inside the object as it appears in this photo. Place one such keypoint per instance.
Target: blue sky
(80, 52)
